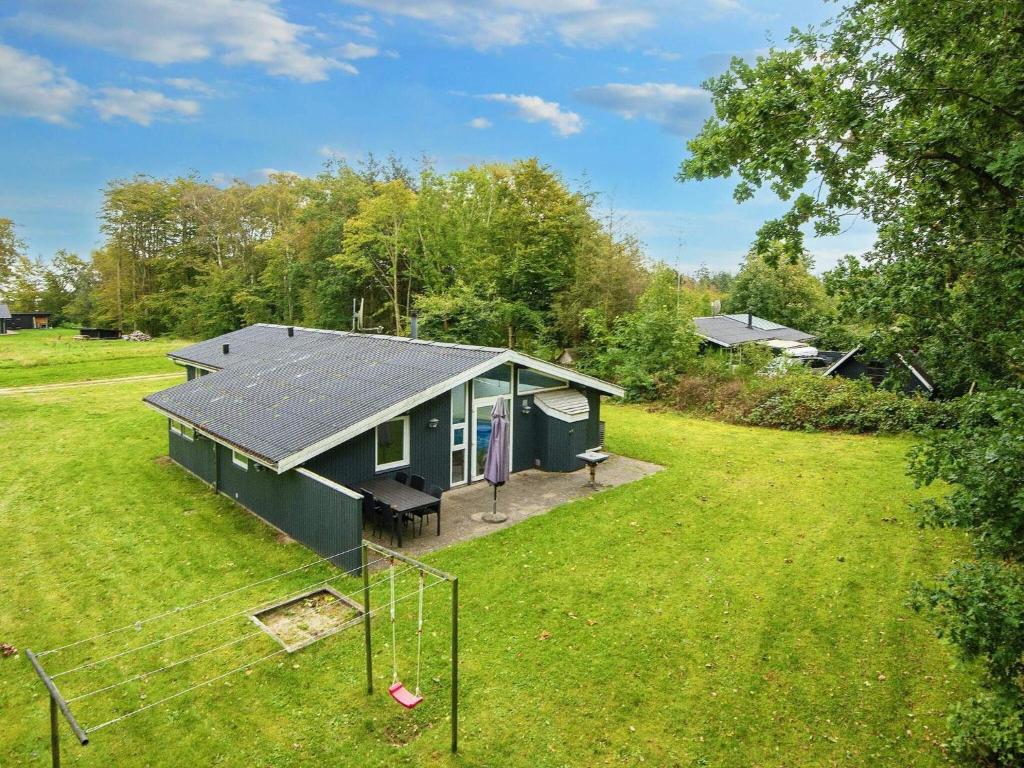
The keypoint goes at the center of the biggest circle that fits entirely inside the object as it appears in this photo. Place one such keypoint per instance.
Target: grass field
(745, 607)
(53, 355)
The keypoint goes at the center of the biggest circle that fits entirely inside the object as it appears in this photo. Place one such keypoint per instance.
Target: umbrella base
(493, 517)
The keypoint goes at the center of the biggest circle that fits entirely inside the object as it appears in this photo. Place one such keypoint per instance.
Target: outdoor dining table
(403, 499)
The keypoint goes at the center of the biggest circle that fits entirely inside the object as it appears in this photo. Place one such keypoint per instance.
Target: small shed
(27, 321)
(100, 333)
(5, 318)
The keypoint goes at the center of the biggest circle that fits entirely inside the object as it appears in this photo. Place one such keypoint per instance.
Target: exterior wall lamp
(526, 407)
(433, 423)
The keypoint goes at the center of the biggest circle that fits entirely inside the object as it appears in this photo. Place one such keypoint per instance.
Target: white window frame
(464, 425)
(520, 392)
(183, 430)
(240, 460)
(404, 461)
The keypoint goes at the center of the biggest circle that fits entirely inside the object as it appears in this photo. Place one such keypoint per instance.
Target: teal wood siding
(197, 456)
(593, 422)
(325, 520)
(563, 440)
(429, 450)
(525, 433)
(540, 438)
(190, 372)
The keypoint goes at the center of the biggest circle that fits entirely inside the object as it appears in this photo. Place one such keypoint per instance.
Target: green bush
(801, 400)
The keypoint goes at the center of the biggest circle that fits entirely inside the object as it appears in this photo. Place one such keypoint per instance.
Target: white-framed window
(239, 460)
(185, 430)
(460, 433)
(392, 444)
(529, 381)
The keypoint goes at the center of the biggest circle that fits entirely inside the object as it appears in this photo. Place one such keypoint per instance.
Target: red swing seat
(403, 696)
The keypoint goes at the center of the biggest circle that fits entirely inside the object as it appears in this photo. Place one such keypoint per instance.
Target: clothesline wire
(204, 601)
(253, 663)
(179, 662)
(176, 635)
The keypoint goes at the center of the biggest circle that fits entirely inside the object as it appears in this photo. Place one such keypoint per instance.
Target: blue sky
(605, 93)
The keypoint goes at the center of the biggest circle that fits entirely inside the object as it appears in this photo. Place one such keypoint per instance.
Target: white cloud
(534, 109)
(32, 86)
(360, 25)
(189, 84)
(332, 153)
(354, 51)
(239, 32)
(480, 123)
(142, 107)
(598, 26)
(661, 53)
(679, 109)
(488, 24)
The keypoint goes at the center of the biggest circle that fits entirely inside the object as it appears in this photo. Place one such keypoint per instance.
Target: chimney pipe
(224, 348)
(414, 331)
(291, 330)
(750, 320)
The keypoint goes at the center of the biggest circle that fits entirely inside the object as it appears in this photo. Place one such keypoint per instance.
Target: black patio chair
(433, 509)
(402, 477)
(418, 482)
(380, 515)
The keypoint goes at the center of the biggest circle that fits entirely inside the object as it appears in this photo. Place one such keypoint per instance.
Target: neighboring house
(26, 321)
(855, 365)
(288, 421)
(5, 318)
(729, 331)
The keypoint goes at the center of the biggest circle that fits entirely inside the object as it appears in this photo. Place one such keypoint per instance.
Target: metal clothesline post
(56, 702)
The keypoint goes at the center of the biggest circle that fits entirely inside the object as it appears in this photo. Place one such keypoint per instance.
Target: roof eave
(261, 460)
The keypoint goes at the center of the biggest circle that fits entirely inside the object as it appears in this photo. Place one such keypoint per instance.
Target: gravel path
(34, 388)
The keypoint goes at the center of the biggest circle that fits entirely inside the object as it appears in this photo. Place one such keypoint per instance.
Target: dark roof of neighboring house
(908, 360)
(5, 313)
(31, 314)
(284, 399)
(730, 330)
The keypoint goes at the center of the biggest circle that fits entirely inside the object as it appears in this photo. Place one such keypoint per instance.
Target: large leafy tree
(782, 291)
(11, 248)
(906, 113)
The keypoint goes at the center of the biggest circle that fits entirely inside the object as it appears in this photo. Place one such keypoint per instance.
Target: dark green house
(289, 421)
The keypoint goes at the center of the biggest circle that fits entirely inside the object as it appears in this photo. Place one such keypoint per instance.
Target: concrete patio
(526, 494)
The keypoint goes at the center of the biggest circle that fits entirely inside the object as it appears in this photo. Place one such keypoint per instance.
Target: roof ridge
(389, 337)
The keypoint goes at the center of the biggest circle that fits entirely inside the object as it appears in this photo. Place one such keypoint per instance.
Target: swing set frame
(368, 634)
(58, 704)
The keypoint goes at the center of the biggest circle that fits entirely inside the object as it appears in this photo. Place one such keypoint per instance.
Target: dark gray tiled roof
(278, 395)
(730, 330)
(5, 313)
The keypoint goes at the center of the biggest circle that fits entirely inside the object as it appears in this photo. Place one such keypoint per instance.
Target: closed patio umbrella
(496, 464)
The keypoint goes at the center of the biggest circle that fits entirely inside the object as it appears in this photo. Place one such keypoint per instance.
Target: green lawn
(53, 355)
(745, 607)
